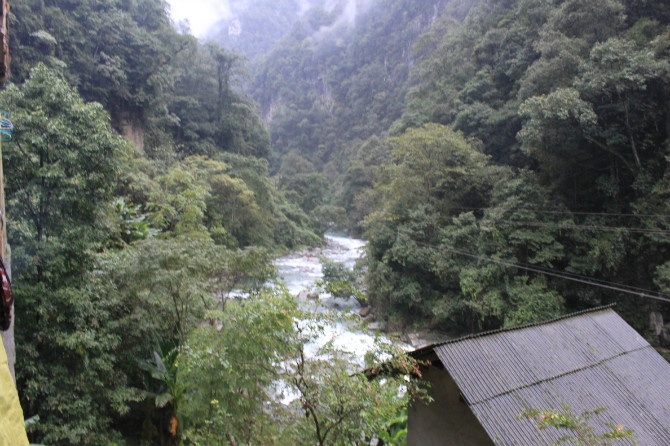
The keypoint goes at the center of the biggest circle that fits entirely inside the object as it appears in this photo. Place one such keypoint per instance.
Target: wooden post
(4, 43)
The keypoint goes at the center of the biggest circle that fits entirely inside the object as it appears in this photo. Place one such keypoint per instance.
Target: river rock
(313, 296)
(303, 295)
(365, 312)
(377, 326)
(415, 339)
(393, 327)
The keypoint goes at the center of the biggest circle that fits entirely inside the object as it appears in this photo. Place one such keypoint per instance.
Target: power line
(557, 212)
(640, 292)
(590, 279)
(582, 227)
(546, 271)
(586, 227)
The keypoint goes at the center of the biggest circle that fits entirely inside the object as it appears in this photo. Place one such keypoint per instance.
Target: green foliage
(132, 224)
(230, 367)
(166, 394)
(115, 53)
(211, 114)
(582, 432)
(395, 432)
(339, 280)
(64, 161)
(329, 410)
(240, 366)
(428, 253)
(169, 285)
(567, 100)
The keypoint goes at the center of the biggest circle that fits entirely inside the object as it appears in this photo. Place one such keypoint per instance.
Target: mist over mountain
(252, 28)
(342, 75)
(506, 161)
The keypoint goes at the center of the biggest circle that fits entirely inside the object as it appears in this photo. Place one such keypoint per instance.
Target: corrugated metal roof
(589, 360)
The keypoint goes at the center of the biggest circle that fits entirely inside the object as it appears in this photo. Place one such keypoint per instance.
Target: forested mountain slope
(341, 76)
(120, 247)
(507, 160)
(485, 149)
(169, 95)
(531, 161)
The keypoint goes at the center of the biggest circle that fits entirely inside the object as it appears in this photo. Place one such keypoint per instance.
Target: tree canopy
(507, 162)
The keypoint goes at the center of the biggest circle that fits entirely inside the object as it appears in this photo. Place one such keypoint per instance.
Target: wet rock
(423, 338)
(415, 339)
(393, 327)
(312, 296)
(377, 326)
(303, 295)
(365, 312)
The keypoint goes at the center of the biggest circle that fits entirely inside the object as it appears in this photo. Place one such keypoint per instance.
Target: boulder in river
(365, 312)
(307, 295)
(377, 326)
(415, 340)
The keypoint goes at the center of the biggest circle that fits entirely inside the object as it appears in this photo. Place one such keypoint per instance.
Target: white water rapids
(300, 272)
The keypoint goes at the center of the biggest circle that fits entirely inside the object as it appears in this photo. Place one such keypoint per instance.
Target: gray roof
(586, 361)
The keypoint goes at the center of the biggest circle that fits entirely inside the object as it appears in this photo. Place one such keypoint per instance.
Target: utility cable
(640, 292)
(557, 212)
(613, 287)
(583, 227)
(586, 227)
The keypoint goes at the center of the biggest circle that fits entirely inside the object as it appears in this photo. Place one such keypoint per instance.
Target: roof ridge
(524, 326)
(561, 375)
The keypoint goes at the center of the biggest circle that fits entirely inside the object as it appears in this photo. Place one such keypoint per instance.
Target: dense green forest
(536, 134)
(506, 160)
(138, 188)
(496, 155)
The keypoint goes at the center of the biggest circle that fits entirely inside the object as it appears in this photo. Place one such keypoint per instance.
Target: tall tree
(63, 164)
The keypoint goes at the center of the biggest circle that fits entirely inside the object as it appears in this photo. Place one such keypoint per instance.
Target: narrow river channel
(300, 271)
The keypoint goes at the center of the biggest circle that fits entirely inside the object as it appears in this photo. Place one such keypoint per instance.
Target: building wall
(447, 421)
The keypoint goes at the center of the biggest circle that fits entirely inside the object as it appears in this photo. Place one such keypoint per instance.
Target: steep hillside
(341, 76)
(551, 194)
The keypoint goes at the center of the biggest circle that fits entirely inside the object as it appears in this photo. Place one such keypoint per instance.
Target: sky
(201, 14)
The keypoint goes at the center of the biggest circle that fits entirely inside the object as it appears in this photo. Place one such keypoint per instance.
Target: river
(300, 271)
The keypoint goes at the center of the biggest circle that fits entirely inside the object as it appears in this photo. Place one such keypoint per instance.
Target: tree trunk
(631, 137)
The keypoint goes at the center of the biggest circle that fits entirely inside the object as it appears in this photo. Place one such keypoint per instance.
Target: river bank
(357, 328)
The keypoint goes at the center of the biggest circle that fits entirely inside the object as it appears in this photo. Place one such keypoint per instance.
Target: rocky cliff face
(130, 128)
